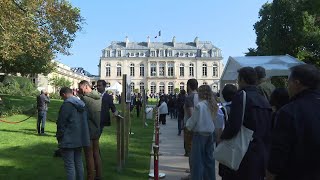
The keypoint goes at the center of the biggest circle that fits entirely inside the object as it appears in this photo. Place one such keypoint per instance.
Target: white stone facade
(161, 67)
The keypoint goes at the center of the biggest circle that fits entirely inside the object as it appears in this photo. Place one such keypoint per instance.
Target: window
(170, 69)
(137, 54)
(141, 69)
(204, 69)
(161, 53)
(132, 86)
(191, 70)
(161, 88)
(170, 88)
(170, 53)
(181, 86)
(181, 69)
(132, 69)
(118, 69)
(205, 83)
(107, 84)
(153, 69)
(107, 53)
(161, 69)
(191, 54)
(153, 53)
(119, 53)
(108, 70)
(215, 70)
(131, 54)
(153, 88)
(187, 55)
(141, 54)
(181, 54)
(141, 87)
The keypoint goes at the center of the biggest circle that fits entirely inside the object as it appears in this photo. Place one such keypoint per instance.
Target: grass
(25, 155)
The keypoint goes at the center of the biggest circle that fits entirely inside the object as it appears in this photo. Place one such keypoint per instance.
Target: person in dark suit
(257, 117)
(42, 105)
(106, 104)
(138, 104)
(295, 144)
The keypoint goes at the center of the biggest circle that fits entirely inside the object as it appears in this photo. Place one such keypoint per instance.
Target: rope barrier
(17, 122)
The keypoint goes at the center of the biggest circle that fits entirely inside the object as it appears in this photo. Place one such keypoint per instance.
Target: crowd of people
(285, 141)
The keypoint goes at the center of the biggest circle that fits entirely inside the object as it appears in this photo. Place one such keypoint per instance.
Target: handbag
(231, 152)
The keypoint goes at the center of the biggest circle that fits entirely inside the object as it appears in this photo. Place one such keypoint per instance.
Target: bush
(55, 96)
(21, 86)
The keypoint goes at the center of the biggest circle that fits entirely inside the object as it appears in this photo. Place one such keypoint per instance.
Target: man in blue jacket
(295, 144)
(72, 133)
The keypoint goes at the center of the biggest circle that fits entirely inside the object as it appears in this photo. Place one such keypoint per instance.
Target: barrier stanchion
(156, 162)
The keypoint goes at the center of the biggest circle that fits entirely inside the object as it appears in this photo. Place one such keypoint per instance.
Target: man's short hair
(65, 90)
(261, 72)
(193, 84)
(248, 75)
(84, 82)
(103, 82)
(307, 74)
(228, 92)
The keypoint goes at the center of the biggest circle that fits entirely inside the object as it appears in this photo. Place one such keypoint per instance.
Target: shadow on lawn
(27, 131)
(31, 162)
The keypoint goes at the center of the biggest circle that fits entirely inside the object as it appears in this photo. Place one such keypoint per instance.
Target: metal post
(156, 162)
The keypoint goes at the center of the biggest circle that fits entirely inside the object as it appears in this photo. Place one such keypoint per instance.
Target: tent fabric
(115, 87)
(274, 65)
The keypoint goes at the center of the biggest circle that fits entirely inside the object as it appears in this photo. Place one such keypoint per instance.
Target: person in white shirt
(204, 123)
(163, 110)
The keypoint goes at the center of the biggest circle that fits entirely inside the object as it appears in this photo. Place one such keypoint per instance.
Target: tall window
(107, 84)
(170, 69)
(170, 53)
(118, 69)
(132, 86)
(153, 69)
(132, 69)
(141, 69)
(191, 70)
(215, 70)
(161, 88)
(170, 88)
(204, 69)
(108, 70)
(153, 53)
(107, 53)
(161, 69)
(119, 53)
(161, 53)
(181, 86)
(181, 69)
(141, 87)
(153, 88)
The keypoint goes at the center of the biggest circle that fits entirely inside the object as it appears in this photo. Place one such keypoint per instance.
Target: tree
(289, 27)
(176, 90)
(58, 83)
(32, 32)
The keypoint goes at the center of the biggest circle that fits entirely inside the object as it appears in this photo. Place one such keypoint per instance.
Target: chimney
(127, 41)
(148, 41)
(174, 41)
(196, 41)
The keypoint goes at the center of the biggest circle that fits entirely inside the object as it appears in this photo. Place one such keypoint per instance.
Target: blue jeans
(202, 161)
(42, 116)
(73, 163)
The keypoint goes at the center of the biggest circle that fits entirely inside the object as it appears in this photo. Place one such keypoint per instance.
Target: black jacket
(295, 148)
(257, 117)
(42, 102)
(106, 105)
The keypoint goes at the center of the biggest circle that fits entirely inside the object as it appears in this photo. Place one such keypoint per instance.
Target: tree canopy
(32, 32)
(289, 27)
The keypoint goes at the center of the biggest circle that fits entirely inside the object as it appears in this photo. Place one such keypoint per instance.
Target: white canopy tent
(274, 65)
(116, 87)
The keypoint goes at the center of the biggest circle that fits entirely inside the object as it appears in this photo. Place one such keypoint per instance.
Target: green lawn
(25, 155)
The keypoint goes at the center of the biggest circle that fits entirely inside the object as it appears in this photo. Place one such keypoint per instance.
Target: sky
(228, 24)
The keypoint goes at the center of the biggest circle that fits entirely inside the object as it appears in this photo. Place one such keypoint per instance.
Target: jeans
(42, 116)
(73, 163)
(93, 160)
(203, 163)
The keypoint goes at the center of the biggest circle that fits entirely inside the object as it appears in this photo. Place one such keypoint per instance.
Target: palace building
(160, 67)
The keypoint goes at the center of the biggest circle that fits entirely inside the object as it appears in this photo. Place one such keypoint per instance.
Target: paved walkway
(172, 162)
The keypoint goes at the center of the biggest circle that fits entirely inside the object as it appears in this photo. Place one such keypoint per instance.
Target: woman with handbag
(249, 112)
(204, 123)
